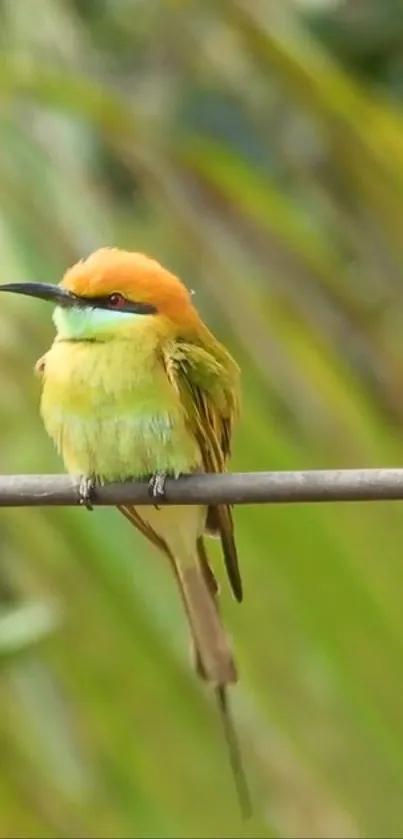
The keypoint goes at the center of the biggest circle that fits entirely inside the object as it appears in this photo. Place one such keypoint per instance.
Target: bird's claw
(86, 492)
(156, 487)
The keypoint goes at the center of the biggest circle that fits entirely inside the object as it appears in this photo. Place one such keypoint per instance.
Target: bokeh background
(255, 148)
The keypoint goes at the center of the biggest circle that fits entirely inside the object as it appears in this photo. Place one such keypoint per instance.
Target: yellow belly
(113, 415)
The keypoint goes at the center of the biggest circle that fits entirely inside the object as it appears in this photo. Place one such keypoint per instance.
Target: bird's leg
(86, 492)
(156, 487)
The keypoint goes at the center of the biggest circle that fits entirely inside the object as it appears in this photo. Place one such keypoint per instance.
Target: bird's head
(110, 292)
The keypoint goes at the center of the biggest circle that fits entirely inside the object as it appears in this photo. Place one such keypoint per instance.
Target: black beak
(54, 293)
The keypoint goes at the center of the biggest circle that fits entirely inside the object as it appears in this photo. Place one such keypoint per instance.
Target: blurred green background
(255, 148)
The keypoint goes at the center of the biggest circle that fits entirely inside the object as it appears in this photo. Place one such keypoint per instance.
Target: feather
(207, 392)
(40, 366)
(199, 589)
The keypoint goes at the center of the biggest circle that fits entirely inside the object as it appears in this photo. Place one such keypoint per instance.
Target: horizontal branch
(231, 488)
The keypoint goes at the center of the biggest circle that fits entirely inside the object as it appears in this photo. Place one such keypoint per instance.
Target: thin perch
(230, 488)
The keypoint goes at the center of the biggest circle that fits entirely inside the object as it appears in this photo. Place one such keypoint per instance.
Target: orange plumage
(134, 275)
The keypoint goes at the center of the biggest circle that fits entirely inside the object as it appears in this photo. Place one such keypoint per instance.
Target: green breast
(112, 414)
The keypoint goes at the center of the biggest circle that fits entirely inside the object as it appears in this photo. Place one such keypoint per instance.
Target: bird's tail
(213, 657)
(198, 587)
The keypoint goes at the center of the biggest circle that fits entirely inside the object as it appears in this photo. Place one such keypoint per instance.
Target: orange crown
(134, 275)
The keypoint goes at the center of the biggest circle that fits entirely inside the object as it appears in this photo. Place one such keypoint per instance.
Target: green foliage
(225, 140)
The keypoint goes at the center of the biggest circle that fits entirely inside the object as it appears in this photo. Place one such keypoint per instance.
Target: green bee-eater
(135, 385)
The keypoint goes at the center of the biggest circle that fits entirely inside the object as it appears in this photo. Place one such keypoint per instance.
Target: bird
(135, 386)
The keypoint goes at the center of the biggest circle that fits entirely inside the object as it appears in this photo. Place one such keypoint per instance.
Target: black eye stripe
(129, 306)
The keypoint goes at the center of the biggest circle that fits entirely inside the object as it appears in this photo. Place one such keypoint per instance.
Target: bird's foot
(156, 487)
(86, 492)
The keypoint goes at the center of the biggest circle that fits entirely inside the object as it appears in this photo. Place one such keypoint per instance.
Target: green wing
(208, 388)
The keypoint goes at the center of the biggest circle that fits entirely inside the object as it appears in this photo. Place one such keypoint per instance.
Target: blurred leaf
(228, 142)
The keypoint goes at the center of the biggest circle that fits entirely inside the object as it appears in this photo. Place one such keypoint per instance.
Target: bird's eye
(116, 300)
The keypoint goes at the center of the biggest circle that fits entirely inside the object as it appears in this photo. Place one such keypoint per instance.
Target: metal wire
(325, 485)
